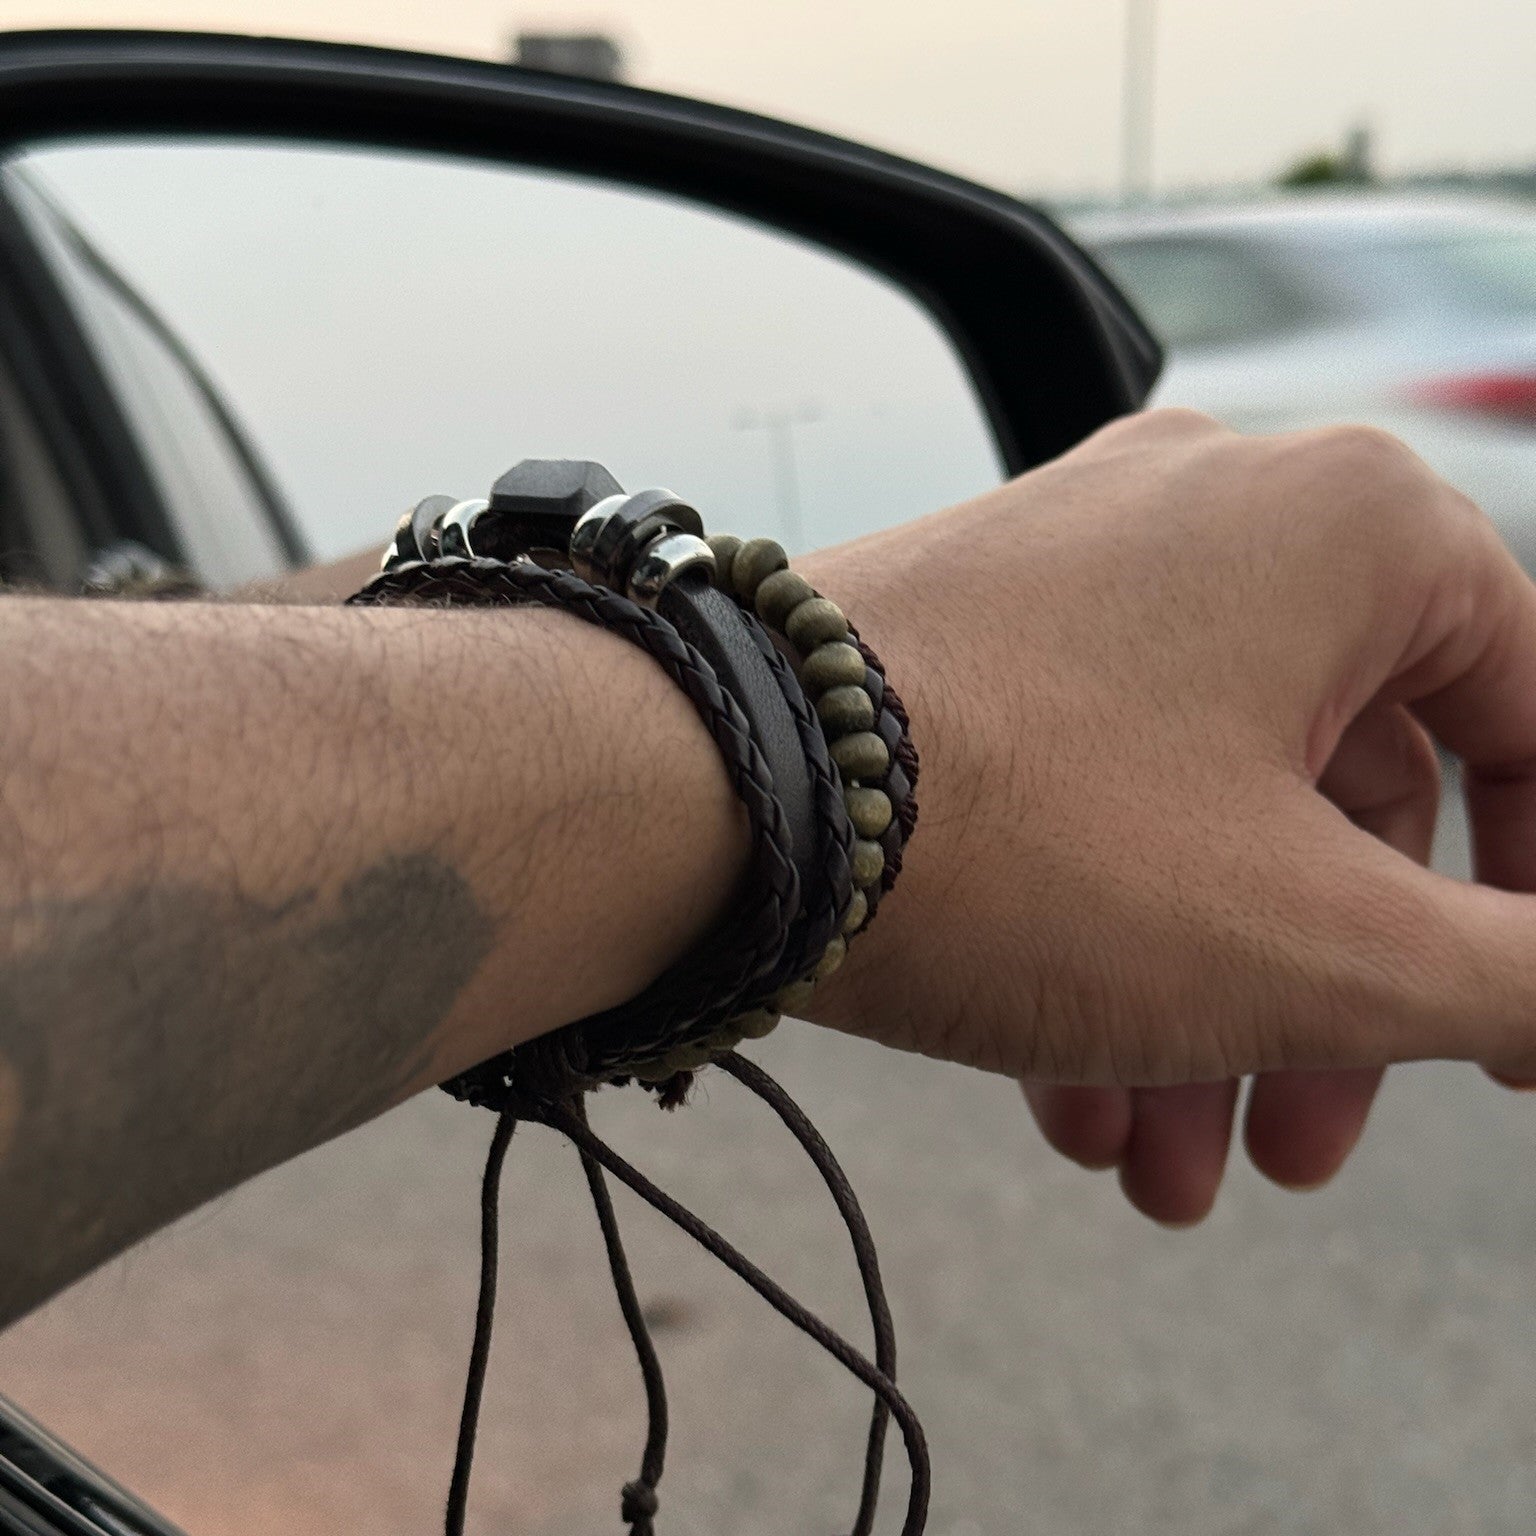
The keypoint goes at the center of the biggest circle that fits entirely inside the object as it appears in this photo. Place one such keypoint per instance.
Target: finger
(1301, 1126)
(1177, 1150)
(1089, 1125)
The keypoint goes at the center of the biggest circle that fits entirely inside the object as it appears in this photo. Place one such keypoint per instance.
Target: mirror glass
(385, 326)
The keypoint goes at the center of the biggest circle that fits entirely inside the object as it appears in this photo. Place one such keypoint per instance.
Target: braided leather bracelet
(708, 985)
(855, 749)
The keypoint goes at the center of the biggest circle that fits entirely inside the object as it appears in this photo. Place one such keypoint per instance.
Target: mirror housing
(1053, 348)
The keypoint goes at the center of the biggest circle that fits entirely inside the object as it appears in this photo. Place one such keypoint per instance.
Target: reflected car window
(195, 463)
(1205, 292)
(1466, 271)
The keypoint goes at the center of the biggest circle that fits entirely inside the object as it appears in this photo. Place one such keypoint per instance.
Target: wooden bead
(755, 561)
(843, 711)
(836, 953)
(780, 593)
(754, 1025)
(725, 546)
(868, 862)
(689, 1058)
(869, 810)
(861, 756)
(858, 910)
(792, 998)
(813, 623)
(833, 665)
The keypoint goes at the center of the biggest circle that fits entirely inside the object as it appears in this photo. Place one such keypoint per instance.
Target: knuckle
(1366, 450)
(1365, 468)
(1160, 425)
(1181, 419)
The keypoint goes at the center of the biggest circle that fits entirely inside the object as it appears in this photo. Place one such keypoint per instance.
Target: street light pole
(1136, 100)
(780, 423)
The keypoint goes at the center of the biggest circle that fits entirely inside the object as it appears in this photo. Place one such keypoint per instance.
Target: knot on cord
(638, 1506)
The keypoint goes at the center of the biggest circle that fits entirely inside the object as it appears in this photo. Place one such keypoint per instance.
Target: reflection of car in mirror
(113, 434)
(1413, 313)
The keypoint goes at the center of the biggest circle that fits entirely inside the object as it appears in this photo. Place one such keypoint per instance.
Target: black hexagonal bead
(538, 501)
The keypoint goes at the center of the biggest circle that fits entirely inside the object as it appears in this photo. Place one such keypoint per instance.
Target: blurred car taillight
(1508, 396)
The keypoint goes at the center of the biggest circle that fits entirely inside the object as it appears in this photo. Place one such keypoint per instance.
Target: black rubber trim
(1053, 348)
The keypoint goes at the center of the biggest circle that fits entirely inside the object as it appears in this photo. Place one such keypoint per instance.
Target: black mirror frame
(1053, 348)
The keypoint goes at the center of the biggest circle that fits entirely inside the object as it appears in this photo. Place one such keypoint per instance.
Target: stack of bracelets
(818, 747)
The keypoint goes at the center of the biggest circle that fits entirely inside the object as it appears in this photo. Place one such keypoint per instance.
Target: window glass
(1205, 292)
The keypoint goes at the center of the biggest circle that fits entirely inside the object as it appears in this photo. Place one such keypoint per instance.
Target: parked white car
(1414, 313)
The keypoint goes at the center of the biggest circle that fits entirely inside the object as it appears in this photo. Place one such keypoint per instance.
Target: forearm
(330, 583)
(266, 871)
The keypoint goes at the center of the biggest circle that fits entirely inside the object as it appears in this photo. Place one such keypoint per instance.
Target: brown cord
(485, 1310)
(563, 1119)
(639, 1503)
(755, 1080)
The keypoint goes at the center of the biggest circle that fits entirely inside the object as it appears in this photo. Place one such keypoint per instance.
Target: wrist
(617, 847)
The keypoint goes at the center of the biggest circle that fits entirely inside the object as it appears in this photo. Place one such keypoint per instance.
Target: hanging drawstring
(755, 1080)
(639, 1504)
(485, 1310)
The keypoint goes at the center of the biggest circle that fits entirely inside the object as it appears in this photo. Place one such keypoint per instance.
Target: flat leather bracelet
(864, 719)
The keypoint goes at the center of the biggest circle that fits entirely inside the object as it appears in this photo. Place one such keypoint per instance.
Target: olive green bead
(833, 665)
(858, 910)
(779, 594)
(869, 810)
(794, 996)
(868, 862)
(814, 622)
(754, 1025)
(842, 711)
(836, 952)
(689, 1058)
(754, 562)
(863, 755)
(725, 546)
(656, 1071)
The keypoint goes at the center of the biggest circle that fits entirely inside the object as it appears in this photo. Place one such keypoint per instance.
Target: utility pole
(779, 422)
(1137, 99)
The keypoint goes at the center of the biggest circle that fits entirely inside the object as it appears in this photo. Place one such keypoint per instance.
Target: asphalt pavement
(1359, 1360)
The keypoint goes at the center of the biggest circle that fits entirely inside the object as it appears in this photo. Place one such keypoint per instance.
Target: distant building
(592, 55)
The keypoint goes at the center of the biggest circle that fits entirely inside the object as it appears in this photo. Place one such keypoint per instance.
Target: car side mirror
(130, 157)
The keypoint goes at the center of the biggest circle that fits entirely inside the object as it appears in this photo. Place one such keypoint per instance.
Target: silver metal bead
(585, 534)
(416, 532)
(663, 560)
(455, 525)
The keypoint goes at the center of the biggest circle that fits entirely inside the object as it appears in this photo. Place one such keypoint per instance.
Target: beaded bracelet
(862, 720)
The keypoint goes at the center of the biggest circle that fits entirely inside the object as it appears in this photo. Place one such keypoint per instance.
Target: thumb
(1385, 961)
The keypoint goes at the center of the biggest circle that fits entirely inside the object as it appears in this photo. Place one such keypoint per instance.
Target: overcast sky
(1023, 93)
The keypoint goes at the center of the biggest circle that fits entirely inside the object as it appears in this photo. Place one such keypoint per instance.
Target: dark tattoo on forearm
(160, 1045)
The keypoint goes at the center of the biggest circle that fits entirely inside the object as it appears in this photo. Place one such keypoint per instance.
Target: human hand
(1175, 695)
